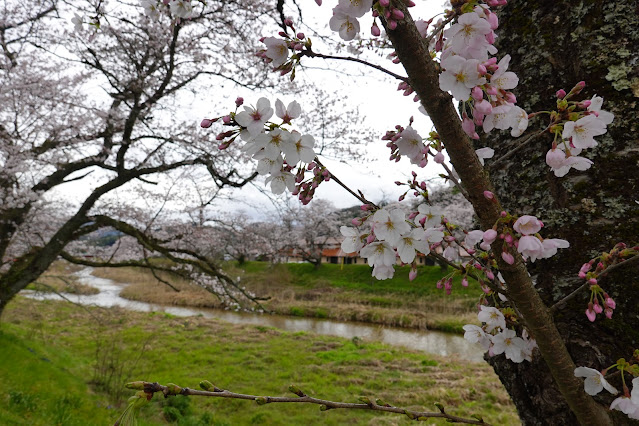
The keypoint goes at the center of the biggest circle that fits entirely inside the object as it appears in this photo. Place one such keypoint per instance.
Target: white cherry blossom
(409, 243)
(390, 225)
(292, 111)
(352, 239)
(255, 118)
(276, 50)
(410, 144)
(355, 8)
(492, 317)
(582, 132)
(346, 25)
(460, 76)
(378, 253)
(595, 381)
(509, 344)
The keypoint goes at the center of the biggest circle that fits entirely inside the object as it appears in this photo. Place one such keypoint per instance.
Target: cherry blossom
(379, 253)
(509, 344)
(277, 51)
(468, 36)
(476, 334)
(582, 132)
(492, 317)
(408, 244)
(527, 225)
(299, 148)
(410, 144)
(292, 111)
(347, 26)
(561, 165)
(353, 239)
(390, 225)
(484, 153)
(429, 216)
(459, 76)
(355, 8)
(255, 118)
(595, 107)
(531, 247)
(594, 382)
(627, 406)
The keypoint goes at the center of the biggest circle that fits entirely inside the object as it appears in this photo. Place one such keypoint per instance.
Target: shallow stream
(433, 342)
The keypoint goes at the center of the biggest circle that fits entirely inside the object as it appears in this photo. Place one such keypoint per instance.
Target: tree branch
(368, 404)
(312, 54)
(562, 302)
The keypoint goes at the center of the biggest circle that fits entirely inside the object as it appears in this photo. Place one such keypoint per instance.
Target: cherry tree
(555, 310)
(87, 115)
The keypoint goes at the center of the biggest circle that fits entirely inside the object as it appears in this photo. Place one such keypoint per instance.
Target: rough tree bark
(555, 44)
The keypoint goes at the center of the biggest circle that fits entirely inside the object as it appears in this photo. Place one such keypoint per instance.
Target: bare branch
(367, 403)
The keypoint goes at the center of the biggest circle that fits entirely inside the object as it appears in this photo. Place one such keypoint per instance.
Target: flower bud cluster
(600, 301)
(277, 49)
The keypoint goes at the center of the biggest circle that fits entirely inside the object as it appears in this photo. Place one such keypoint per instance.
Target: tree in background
(97, 107)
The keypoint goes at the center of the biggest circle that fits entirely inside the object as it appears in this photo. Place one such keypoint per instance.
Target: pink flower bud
(481, 69)
(375, 31)
(300, 36)
(490, 275)
(412, 274)
(319, 2)
(490, 236)
(370, 238)
(384, 3)
(226, 119)
(489, 195)
(561, 93)
(491, 90)
(597, 307)
(484, 107)
(398, 14)
(239, 101)
(206, 123)
(508, 258)
(357, 221)
(585, 104)
(490, 37)
(439, 158)
(581, 275)
(392, 25)
(592, 281)
(610, 303)
(591, 315)
(464, 282)
(477, 93)
(608, 313)
(511, 98)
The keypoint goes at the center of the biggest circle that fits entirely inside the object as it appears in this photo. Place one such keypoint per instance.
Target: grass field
(66, 365)
(332, 291)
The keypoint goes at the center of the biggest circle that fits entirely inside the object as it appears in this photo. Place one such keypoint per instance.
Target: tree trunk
(554, 45)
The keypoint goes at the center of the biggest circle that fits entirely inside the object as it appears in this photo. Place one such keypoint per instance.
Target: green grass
(71, 386)
(358, 277)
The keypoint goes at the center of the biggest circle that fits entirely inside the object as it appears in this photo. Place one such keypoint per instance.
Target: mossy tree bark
(555, 44)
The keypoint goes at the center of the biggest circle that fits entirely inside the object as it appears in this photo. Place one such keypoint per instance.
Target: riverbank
(64, 364)
(345, 293)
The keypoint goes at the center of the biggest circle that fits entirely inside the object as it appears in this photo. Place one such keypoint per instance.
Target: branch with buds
(147, 389)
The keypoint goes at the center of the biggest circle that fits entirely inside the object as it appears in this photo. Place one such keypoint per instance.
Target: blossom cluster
(497, 339)
(391, 235)
(582, 121)
(478, 80)
(277, 150)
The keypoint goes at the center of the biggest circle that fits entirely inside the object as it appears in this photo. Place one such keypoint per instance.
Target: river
(433, 342)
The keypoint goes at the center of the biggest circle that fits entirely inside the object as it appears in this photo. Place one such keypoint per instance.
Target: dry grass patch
(60, 278)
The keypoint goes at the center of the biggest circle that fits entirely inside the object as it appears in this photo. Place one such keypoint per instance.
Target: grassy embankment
(65, 365)
(332, 291)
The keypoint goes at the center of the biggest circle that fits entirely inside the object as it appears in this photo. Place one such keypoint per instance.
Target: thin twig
(312, 54)
(350, 191)
(368, 404)
(572, 295)
(493, 165)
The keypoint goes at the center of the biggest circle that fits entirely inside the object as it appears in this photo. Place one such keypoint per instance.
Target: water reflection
(434, 342)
